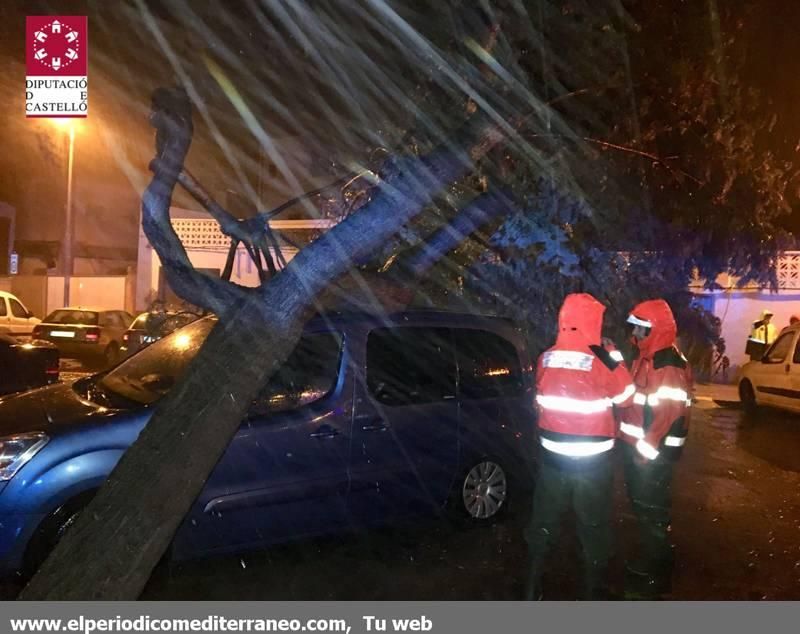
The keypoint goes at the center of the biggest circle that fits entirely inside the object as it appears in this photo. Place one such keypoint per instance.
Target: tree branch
(479, 212)
(228, 223)
(623, 148)
(409, 185)
(391, 288)
(648, 155)
(171, 116)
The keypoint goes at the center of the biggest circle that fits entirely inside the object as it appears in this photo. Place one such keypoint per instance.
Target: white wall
(55, 294)
(244, 271)
(106, 291)
(206, 250)
(7, 211)
(737, 310)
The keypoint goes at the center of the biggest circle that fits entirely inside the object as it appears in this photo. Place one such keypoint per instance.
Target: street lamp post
(67, 250)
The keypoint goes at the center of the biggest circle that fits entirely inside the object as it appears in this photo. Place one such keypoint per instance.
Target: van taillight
(37, 331)
(126, 336)
(93, 335)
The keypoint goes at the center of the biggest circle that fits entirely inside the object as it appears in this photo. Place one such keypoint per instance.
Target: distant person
(763, 334)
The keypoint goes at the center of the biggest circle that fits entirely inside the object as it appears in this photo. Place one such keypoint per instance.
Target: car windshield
(77, 317)
(148, 375)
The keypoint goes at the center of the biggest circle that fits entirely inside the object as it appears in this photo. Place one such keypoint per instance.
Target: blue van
(372, 420)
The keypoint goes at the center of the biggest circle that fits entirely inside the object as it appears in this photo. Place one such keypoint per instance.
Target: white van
(774, 380)
(15, 319)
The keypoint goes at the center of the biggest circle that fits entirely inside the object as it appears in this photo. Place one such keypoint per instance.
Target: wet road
(737, 520)
(70, 370)
(736, 530)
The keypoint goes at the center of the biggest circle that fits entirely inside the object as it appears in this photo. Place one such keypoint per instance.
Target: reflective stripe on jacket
(659, 416)
(578, 383)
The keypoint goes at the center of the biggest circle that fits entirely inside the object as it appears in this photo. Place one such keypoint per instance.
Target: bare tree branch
(627, 149)
(348, 178)
(228, 223)
(653, 157)
(172, 117)
(409, 185)
(251, 232)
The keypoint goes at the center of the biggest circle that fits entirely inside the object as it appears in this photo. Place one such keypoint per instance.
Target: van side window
(308, 375)
(3, 310)
(17, 310)
(780, 349)
(411, 365)
(488, 365)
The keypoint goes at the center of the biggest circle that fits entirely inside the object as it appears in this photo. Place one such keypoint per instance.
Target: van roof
(413, 311)
(427, 316)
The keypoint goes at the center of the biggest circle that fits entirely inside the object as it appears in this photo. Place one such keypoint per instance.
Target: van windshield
(148, 375)
(308, 374)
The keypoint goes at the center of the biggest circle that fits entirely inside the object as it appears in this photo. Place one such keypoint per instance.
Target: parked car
(26, 365)
(774, 380)
(92, 335)
(149, 327)
(370, 421)
(15, 319)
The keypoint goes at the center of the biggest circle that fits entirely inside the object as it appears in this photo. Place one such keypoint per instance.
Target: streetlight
(66, 260)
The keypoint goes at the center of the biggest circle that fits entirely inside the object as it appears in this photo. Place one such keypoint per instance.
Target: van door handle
(324, 431)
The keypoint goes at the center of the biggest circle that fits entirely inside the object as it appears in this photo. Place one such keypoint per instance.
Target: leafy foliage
(656, 168)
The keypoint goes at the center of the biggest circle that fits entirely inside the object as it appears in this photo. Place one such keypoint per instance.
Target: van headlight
(16, 451)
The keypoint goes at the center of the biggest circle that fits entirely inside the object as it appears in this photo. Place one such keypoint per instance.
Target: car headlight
(16, 451)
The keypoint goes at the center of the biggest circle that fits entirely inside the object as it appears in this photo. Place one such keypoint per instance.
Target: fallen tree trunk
(113, 547)
(478, 213)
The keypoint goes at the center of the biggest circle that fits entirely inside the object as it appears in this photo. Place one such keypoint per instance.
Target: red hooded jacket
(578, 382)
(659, 417)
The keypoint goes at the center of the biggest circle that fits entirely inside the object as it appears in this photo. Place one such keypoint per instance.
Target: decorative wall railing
(205, 235)
(787, 270)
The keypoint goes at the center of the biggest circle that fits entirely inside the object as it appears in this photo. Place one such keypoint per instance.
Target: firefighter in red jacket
(578, 383)
(655, 429)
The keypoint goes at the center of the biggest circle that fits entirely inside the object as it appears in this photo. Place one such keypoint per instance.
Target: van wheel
(748, 397)
(482, 492)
